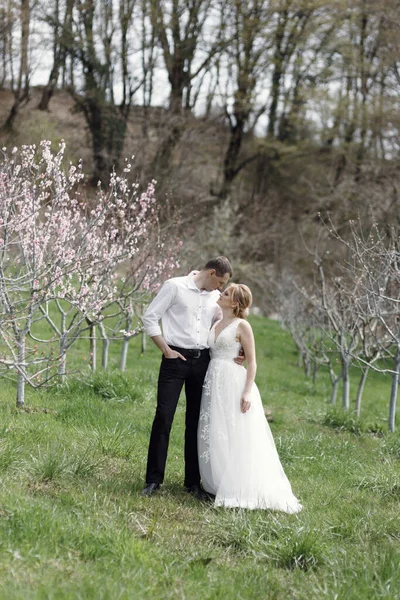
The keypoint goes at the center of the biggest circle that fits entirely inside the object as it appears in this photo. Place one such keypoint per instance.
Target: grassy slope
(73, 523)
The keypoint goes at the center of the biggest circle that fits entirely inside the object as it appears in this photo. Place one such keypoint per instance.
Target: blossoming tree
(60, 256)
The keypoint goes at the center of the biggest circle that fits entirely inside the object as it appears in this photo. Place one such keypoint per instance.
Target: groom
(187, 307)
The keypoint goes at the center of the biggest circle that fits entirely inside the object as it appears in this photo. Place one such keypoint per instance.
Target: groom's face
(215, 281)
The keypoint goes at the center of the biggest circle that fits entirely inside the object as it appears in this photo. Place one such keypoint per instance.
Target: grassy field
(74, 526)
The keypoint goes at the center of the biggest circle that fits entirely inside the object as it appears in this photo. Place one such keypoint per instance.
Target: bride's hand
(245, 403)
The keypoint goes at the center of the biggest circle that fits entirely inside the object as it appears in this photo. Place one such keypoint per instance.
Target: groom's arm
(159, 305)
(152, 316)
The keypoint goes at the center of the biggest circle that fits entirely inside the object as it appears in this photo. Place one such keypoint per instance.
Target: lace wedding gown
(238, 460)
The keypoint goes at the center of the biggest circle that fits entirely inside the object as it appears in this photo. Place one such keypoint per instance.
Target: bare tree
(378, 259)
(188, 51)
(246, 61)
(360, 63)
(21, 89)
(374, 260)
(94, 36)
(6, 26)
(179, 26)
(292, 19)
(61, 27)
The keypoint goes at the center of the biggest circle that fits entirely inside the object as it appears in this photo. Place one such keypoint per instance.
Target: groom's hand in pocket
(173, 354)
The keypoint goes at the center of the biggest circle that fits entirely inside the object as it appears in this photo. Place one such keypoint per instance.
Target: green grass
(73, 524)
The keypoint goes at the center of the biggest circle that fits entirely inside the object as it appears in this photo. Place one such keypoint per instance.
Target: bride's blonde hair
(242, 296)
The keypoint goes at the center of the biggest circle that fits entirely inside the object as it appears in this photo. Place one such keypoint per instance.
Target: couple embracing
(230, 453)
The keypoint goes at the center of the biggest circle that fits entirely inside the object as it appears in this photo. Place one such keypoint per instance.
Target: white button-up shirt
(186, 313)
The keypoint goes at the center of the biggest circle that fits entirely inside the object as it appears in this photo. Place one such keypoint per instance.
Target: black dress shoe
(198, 492)
(150, 489)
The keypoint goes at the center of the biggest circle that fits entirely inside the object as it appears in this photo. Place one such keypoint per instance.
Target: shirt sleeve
(157, 308)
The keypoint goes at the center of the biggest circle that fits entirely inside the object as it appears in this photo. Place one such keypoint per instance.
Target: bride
(238, 460)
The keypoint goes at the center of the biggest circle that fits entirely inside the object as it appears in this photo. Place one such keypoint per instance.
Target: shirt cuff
(153, 330)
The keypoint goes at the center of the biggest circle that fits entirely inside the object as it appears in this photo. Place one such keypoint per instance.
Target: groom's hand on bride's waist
(241, 358)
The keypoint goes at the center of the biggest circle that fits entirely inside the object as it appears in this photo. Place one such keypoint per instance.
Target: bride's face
(225, 300)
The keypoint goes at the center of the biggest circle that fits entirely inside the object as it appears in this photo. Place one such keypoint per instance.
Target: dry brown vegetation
(272, 212)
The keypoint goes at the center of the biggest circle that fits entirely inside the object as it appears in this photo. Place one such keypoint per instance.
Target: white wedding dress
(238, 460)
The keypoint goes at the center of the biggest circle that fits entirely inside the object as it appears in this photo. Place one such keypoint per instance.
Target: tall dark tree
(95, 38)
(360, 64)
(6, 25)
(247, 59)
(21, 89)
(292, 18)
(179, 27)
(61, 43)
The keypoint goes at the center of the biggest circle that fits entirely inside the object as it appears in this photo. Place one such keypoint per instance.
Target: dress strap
(236, 324)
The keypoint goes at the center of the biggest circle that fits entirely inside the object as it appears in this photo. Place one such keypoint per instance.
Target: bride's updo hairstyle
(241, 295)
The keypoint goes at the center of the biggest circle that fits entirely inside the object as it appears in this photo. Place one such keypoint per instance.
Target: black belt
(189, 353)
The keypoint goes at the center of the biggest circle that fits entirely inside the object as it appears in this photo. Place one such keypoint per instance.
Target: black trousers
(174, 372)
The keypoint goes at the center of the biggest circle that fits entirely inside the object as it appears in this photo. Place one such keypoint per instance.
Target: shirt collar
(191, 284)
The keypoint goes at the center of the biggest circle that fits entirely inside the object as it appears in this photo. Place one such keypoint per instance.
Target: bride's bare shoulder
(243, 323)
(244, 327)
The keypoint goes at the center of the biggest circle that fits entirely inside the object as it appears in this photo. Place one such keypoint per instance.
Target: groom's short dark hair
(221, 265)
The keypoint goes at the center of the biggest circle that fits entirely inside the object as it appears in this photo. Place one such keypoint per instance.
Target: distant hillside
(272, 212)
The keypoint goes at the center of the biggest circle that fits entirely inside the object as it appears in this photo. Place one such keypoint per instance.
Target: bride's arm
(245, 333)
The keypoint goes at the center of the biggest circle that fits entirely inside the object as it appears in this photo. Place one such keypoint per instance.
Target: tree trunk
(21, 94)
(144, 342)
(9, 122)
(278, 71)
(314, 372)
(162, 160)
(346, 385)
(93, 347)
(21, 377)
(125, 343)
(364, 81)
(49, 89)
(306, 364)
(231, 157)
(275, 92)
(360, 390)
(393, 391)
(106, 346)
(107, 124)
(106, 121)
(95, 121)
(178, 39)
(335, 385)
(177, 80)
(62, 360)
(350, 128)
(124, 353)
